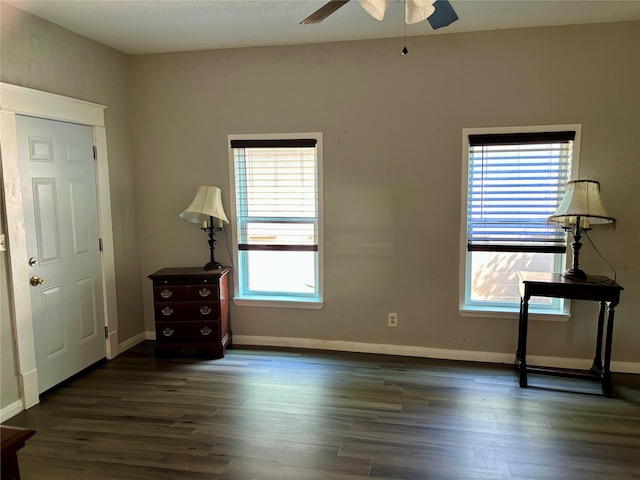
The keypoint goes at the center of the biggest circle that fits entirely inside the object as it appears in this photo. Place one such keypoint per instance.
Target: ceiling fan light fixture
(375, 8)
(440, 13)
(418, 10)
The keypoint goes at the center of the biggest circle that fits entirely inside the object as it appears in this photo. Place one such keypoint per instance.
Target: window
(278, 218)
(515, 179)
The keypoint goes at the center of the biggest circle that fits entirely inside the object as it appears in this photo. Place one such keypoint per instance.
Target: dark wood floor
(311, 415)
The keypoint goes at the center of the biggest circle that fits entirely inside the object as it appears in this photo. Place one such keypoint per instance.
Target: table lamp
(580, 209)
(206, 209)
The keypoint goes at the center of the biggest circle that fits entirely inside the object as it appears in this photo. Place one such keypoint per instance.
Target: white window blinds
(276, 194)
(516, 181)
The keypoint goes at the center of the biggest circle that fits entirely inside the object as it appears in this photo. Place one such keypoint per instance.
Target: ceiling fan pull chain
(404, 22)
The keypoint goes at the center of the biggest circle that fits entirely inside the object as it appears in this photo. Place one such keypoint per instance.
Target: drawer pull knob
(205, 292)
(205, 310)
(167, 332)
(206, 331)
(166, 293)
(166, 311)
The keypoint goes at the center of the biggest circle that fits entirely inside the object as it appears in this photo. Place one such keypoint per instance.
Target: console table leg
(596, 367)
(607, 384)
(521, 354)
(516, 362)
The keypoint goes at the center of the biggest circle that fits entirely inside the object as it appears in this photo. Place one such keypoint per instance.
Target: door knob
(35, 281)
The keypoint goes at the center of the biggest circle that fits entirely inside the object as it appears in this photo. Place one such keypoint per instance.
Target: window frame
(304, 301)
(561, 309)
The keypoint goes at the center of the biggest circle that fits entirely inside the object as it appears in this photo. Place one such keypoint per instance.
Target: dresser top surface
(189, 271)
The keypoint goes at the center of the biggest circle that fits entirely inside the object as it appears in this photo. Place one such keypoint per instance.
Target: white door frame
(16, 100)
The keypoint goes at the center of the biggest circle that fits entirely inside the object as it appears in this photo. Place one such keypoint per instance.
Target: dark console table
(596, 288)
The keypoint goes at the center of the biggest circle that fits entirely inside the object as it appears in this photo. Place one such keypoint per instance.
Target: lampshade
(207, 203)
(582, 199)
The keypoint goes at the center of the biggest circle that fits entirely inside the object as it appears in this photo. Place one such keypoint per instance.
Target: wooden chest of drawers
(191, 311)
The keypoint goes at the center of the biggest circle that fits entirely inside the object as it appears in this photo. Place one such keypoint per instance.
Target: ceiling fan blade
(444, 15)
(323, 12)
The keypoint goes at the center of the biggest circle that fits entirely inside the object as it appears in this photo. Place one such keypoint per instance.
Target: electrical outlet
(392, 320)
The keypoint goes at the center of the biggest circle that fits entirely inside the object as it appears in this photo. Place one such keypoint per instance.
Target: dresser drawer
(184, 293)
(187, 311)
(188, 331)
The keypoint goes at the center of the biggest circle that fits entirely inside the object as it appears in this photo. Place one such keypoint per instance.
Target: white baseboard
(113, 349)
(29, 388)
(150, 335)
(426, 352)
(10, 411)
(132, 342)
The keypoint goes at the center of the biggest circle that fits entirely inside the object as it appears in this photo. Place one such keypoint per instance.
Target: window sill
(513, 314)
(277, 302)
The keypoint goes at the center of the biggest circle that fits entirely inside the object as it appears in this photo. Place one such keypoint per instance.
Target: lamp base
(575, 273)
(212, 266)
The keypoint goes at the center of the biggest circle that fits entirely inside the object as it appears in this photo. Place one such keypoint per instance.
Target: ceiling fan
(440, 13)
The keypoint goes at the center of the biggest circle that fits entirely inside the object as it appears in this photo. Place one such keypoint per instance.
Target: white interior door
(62, 241)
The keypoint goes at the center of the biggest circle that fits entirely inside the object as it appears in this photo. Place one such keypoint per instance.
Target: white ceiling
(157, 26)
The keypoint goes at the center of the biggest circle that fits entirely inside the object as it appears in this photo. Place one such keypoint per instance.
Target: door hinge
(95, 152)
(106, 332)
(100, 244)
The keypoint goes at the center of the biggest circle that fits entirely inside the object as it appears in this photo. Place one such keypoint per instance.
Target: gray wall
(392, 168)
(392, 165)
(40, 55)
